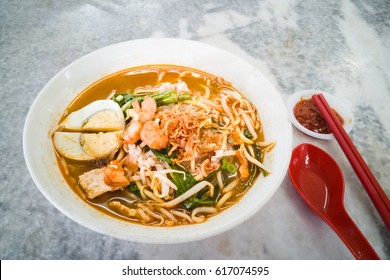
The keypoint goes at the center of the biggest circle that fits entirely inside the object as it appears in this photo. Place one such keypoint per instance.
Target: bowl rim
(143, 235)
(333, 101)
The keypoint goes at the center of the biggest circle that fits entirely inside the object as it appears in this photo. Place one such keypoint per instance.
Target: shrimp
(114, 175)
(146, 111)
(153, 136)
(143, 113)
(243, 169)
(130, 163)
(132, 132)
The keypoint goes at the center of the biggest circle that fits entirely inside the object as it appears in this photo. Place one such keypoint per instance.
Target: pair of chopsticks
(368, 180)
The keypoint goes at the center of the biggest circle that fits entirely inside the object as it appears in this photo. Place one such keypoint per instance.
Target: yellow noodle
(234, 109)
(182, 215)
(206, 91)
(223, 199)
(111, 94)
(249, 124)
(255, 161)
(142, 214)
(268, 145)
(242, 136)
(251, 151)
(231, 185)
(152, 196)
(225, 106)
(150, 212)
(219, 180)
(195, 189)
(198, 104)
(168, 215)
(233, 94)
(121, 155)
(199, 210)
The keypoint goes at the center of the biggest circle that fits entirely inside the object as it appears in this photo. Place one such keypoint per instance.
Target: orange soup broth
(126, 81)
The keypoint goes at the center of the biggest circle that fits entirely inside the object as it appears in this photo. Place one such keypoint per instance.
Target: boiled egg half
(93, 132)
(98, 116)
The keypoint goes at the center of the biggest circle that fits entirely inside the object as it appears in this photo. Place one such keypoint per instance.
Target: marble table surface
(341, 47)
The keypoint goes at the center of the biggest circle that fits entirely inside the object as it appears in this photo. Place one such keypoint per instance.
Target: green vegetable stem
(125, 100)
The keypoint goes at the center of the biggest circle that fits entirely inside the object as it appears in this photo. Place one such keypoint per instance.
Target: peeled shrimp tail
(153, 136)
(132, 132)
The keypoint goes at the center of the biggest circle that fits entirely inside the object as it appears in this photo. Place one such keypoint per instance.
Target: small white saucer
(333, 101)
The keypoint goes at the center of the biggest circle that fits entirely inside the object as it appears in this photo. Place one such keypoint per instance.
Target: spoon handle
(353, 238)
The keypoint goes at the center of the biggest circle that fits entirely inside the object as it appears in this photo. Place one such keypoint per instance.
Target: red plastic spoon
(320, 182)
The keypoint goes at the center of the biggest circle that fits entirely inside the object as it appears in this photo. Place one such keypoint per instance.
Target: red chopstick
(368, 180)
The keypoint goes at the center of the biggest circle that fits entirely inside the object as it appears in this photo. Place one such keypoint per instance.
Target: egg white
(98, 116)
(87, 146)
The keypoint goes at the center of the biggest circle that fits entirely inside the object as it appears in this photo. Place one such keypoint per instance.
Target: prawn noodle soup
(161, 145)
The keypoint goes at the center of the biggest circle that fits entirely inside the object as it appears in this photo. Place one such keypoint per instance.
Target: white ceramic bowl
(63, 87)
(334, 103)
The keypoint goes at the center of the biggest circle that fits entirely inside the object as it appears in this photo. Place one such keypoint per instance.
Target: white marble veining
(340, 47)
